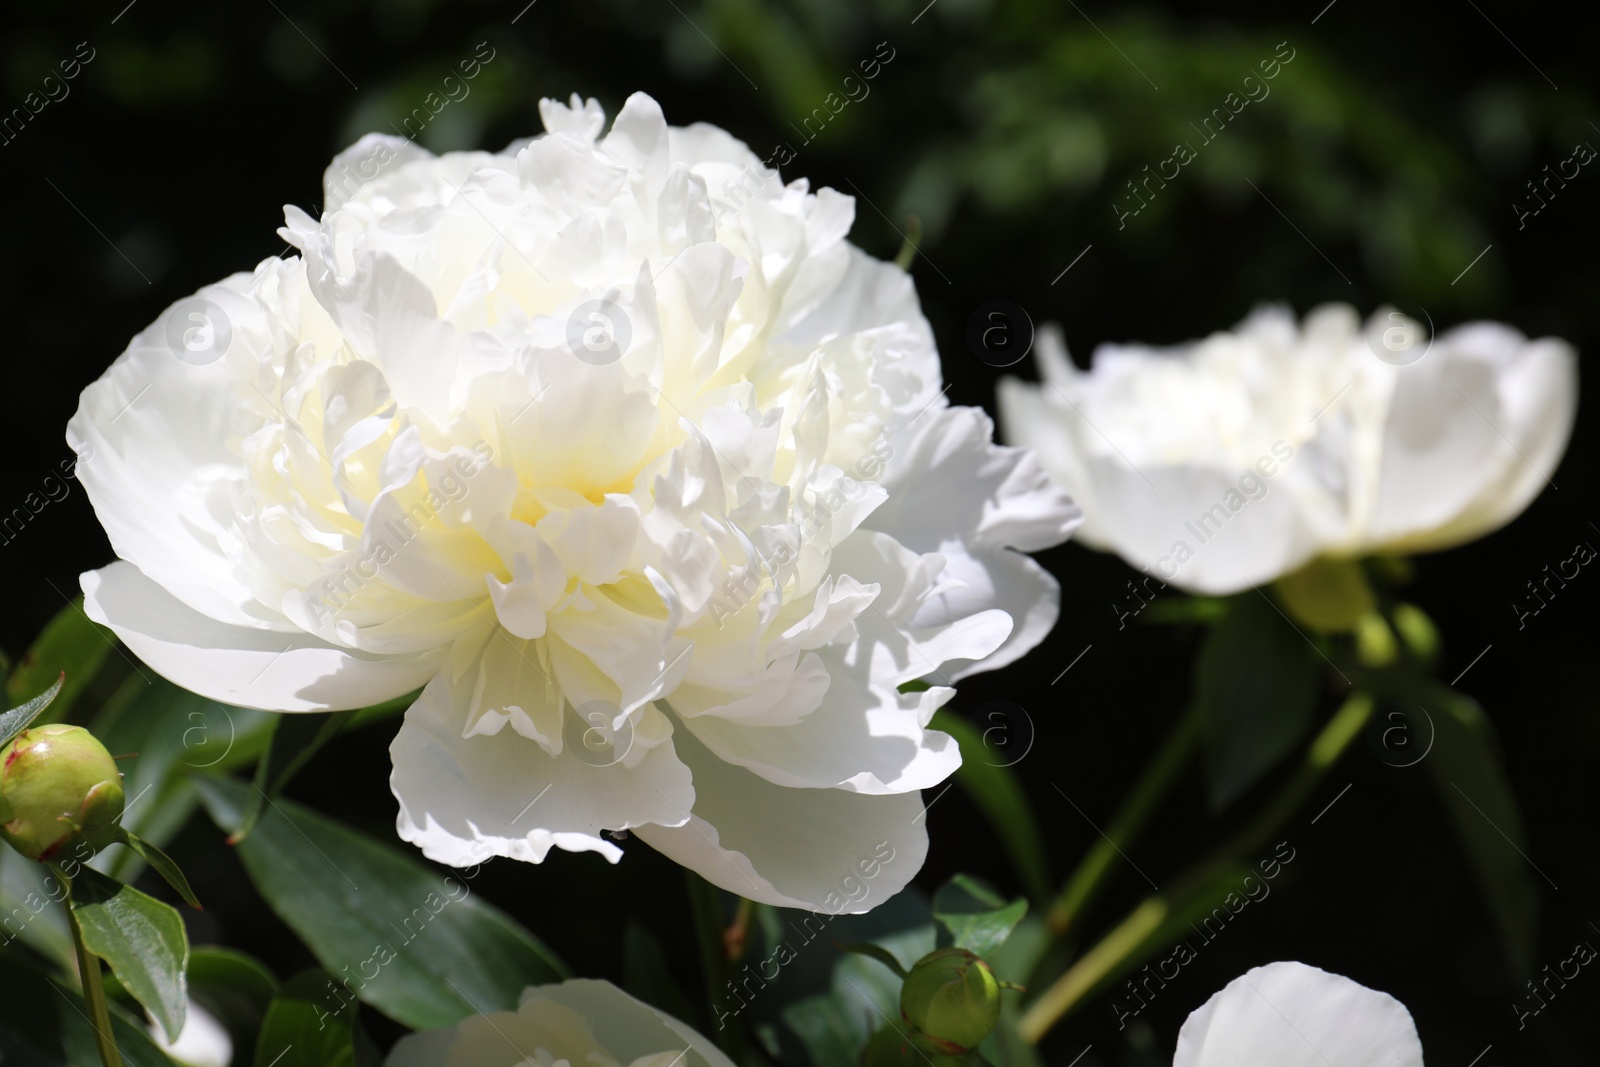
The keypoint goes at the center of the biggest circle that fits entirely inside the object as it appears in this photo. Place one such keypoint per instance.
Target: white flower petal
(858, 739)
(1292, 1015)
(817, 849)
(249, 668)
(151, 437)
(1531, 412)
(895, 635)
(1011, 504)
(581, 118)
(374, 154)
(1009, 581)
(1439, 436)
(464, 799)
(202, 1042)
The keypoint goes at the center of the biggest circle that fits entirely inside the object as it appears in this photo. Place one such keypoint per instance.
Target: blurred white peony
(620, 450)
(1292, 1015)
(1230, 462)
(201, 1043)
(579, 1021)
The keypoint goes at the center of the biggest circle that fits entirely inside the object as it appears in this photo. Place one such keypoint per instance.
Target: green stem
(1135, 932)
(908, 250)
(706, 907)
(94, 990)
(1152, 786)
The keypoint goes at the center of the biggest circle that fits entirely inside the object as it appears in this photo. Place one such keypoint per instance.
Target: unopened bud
(953, 997)
(58, 786)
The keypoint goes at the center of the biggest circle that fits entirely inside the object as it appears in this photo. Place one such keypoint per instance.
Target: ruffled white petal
(464, 798)
(818, 849)
(1009, 506)
(858, 739)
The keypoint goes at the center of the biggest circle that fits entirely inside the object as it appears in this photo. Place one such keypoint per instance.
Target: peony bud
(953, 997)
(1417, 631)
(58, 786)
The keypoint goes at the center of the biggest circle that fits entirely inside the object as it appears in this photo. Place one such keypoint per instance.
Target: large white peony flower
(1229, 462)
(1292, 1015)
(617, 448)
(577, 1022)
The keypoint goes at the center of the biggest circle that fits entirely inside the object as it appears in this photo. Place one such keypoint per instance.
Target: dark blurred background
(1389, 154)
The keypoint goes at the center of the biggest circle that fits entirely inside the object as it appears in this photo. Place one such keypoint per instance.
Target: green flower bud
(1375, 641)
(953, 997)
(58, 786)
(1417, 631)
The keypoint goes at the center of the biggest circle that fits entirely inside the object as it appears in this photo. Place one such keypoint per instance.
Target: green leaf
(976, 917)
(863, 997)
(645, 973)
(1459, 750)
(16, 720)
(294, 740)
(998, 794)
(877, 952)
(366, 1053)
(141, 938)
(311, 1023)
(163, 865)
(235, 988)
(1478, 795)
(1256, 682)
(378, 918)
(171, 734)
(1015, 962)
(45, 1023)
(32, 902)
(69, 644)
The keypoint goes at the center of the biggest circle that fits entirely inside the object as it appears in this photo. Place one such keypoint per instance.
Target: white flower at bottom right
(1292, 1015)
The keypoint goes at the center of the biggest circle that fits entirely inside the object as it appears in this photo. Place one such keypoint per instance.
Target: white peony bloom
(621, 451)
(202, 1042)
(1230, 462)
(578, 1022)
(1292, 1015)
